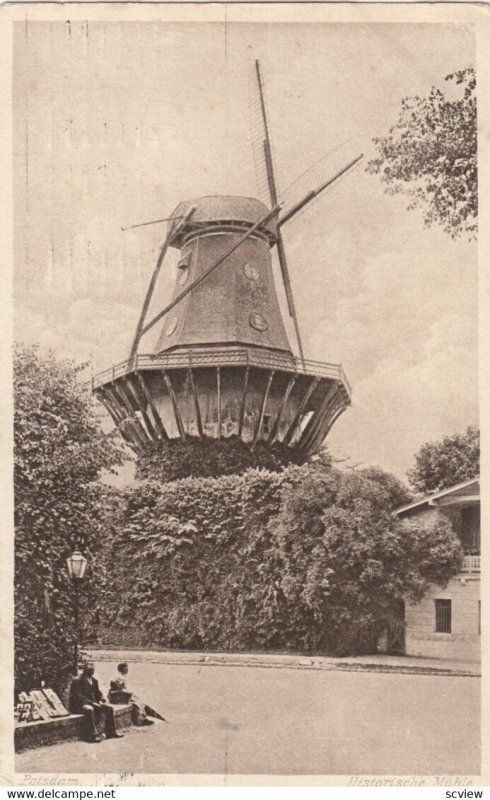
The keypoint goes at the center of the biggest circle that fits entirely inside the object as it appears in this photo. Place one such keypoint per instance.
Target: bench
(61, 729)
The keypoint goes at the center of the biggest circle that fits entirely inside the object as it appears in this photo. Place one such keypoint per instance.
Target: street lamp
(77, 565)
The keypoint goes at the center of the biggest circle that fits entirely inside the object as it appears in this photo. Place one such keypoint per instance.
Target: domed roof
(223, 208)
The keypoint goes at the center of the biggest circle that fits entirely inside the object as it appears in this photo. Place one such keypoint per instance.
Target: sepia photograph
(246, 432)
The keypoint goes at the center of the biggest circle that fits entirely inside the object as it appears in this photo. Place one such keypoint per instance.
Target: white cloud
(400, 405)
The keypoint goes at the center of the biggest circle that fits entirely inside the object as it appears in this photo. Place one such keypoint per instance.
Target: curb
(341, 666)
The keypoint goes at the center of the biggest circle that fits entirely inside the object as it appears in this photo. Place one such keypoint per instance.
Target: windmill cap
(216, 209)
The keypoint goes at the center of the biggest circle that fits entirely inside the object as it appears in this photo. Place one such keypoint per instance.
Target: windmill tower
(223, 365)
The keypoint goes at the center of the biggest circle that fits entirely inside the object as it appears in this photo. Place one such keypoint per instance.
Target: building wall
(224, 308)
(464, 640)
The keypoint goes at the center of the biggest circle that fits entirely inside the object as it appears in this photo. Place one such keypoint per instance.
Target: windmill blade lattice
(319, 173)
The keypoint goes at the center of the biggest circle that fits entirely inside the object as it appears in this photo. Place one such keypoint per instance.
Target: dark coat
(84, 693)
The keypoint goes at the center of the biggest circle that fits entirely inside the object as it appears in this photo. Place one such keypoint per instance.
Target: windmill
(223, 365)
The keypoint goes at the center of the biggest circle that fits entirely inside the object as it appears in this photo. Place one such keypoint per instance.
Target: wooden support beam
(244, 401)
(134, 435)
(313, 433)
(153, 280)
(112, 404)
(218, 391)
(178, 418)
(107, 407)
(99, 393)
(327, 424)
(262, 408)
(294, 424)
(275, 428)
(156, 416)
(336, 407)
(317, 418)
(196, 403)
(332, 416)
(121, 392)
(125, 430)
(134, 390)
(149, 293)
(107, 400)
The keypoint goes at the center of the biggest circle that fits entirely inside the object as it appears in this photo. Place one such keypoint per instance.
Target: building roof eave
(430, 500)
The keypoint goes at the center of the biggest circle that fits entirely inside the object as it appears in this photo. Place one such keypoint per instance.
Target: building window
(443, 616)
(183, 268)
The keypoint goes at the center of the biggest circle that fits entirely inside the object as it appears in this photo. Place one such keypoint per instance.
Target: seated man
(120, 692)
(87, 699)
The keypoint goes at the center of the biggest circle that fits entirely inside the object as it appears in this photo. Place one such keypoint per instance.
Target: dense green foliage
(308, 559)
(210, 457)
(454, 459)
(431, 155)
(59, 502)
(304, 558)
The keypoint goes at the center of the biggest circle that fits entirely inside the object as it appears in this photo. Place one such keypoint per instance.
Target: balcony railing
(223, 357)
(471, 564)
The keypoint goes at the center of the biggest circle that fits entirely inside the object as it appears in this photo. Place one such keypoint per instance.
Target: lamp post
(77, 565)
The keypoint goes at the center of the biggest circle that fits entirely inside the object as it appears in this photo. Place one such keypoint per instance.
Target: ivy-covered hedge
(209, 458)
(302, 558)
(308, 559)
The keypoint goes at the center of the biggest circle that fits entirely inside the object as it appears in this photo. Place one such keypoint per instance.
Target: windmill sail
(307, 188)
(259, 111)
(222, 365)
(259, 134)
(320, 178)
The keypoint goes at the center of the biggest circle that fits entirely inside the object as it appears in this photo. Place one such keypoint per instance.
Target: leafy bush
(211, 457)
(306, 559)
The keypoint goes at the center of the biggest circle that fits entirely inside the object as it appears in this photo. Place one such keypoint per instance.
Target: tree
(454, 459)
(431, 155)
(396, 494)
(349, 558)
(308, 559)
(59, 503)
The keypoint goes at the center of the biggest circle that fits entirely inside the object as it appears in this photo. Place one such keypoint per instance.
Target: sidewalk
(378, 662)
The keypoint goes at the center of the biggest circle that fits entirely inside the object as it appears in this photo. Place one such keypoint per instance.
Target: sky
(116, 123)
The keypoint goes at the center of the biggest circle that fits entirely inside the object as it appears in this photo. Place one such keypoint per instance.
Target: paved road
(253, 720)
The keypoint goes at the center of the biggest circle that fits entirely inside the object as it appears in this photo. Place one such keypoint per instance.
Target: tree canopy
(431, 155)
(308, 559)
(452, 460)
(59, 503)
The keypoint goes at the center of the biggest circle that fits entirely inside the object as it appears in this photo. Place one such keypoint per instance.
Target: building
(446, 622)
(222, 365)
